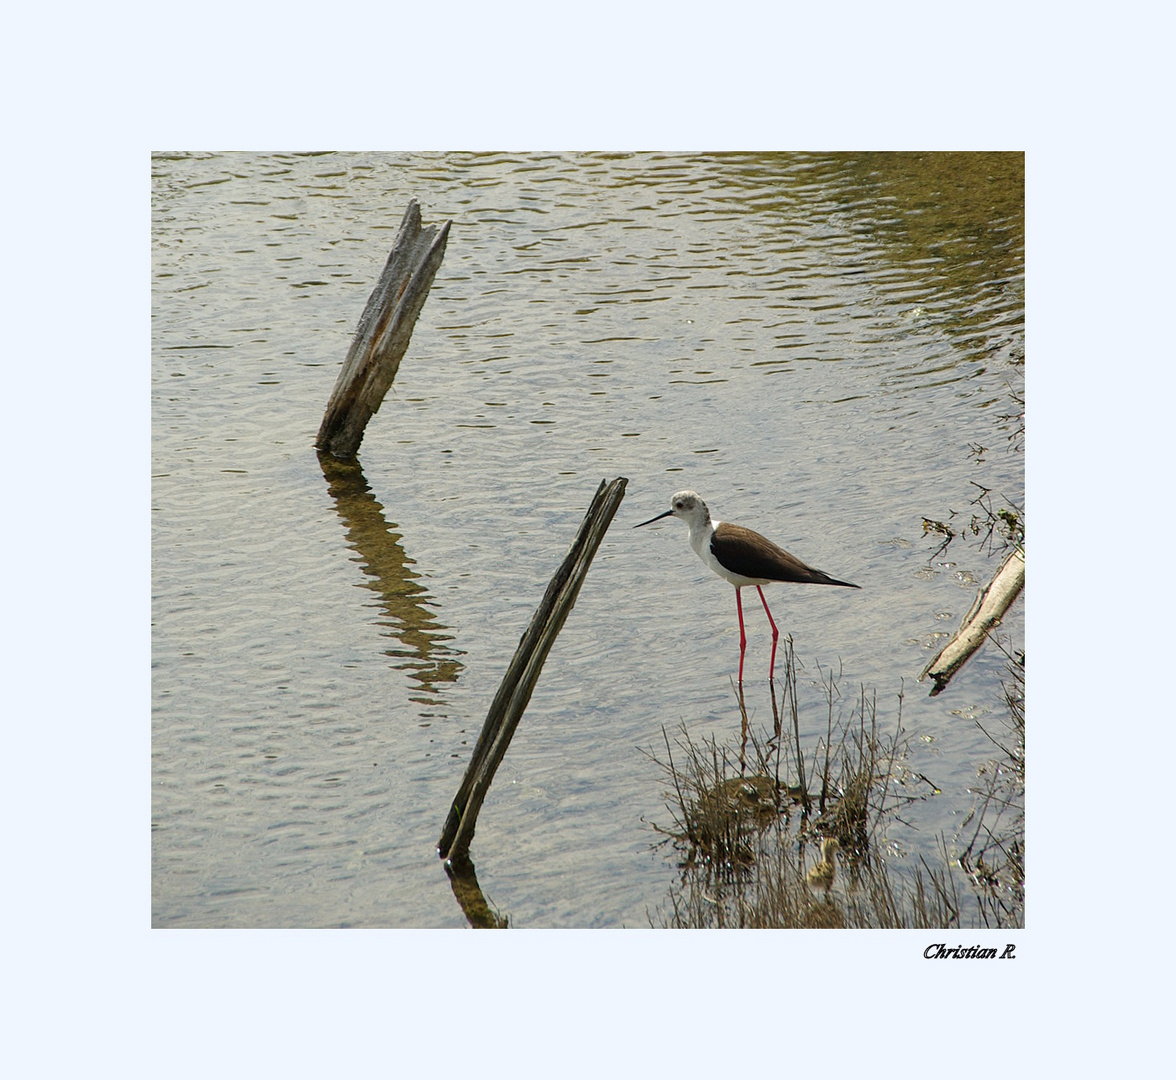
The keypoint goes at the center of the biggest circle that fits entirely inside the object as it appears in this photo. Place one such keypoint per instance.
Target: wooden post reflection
(385, 562)
(469, 895)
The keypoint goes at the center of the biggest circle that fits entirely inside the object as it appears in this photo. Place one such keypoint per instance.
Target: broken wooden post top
(383, 333)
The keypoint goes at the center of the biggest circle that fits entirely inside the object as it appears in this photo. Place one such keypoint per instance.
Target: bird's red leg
(742, 633)
(775, 634)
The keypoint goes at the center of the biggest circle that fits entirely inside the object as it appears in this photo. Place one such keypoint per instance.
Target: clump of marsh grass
(993, 855)
(720, 805)
(773, 890)
(753, 829)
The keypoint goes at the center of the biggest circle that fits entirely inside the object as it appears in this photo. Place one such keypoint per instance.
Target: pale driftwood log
(988, 609)
(383, 333)
(515, 692)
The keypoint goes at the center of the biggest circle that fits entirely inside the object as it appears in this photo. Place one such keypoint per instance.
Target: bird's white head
(687, 506)
(690, 508)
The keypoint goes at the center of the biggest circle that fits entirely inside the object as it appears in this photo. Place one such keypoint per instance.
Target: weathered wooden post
(383, 333)
(523, 673)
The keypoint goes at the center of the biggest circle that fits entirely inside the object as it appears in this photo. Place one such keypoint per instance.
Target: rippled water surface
(814, 344)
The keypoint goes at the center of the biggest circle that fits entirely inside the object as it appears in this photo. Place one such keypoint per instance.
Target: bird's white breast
(700, 540)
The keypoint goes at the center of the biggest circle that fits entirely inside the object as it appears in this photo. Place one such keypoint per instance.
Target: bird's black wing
(757, 557)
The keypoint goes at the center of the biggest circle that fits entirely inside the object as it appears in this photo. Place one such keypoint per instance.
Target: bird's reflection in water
(403, 599)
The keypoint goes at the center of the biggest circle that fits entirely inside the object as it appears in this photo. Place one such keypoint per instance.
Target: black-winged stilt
(742, 557)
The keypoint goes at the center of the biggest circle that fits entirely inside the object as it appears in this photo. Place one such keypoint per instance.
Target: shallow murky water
(812, 343)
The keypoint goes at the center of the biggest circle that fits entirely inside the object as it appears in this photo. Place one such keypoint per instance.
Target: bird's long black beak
(653, 519)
